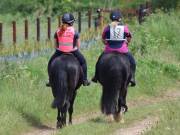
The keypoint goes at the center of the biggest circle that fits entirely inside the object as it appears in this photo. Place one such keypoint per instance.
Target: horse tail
(109, 100)
(61, 89)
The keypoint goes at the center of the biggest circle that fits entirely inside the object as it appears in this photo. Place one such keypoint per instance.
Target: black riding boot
(133, 68)
(133, 81)
(86, 82)
(94, 79)
(48, 84)
(82, 62)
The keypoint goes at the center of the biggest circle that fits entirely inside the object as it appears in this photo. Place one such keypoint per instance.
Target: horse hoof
(122, 121)
(59, 125)
(110, 118)
(117, 117)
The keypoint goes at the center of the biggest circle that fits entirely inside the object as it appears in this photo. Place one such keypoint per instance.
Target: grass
(25, 101)
(169, 120)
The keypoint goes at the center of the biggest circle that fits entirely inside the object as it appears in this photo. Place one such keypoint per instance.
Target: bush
(166, 5)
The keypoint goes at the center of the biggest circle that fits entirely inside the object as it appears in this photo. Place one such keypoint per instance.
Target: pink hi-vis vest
(65, 40)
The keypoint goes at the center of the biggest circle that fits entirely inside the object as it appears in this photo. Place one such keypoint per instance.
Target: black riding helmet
(115, 15)
(68, 18)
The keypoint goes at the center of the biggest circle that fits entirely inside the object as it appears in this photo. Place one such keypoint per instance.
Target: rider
(67, 41)
(116, 37)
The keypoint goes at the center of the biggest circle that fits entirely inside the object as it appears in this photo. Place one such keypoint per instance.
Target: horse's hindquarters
(113, 71)
(64, 77)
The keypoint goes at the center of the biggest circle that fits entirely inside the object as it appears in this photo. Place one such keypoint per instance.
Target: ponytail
(63, 28)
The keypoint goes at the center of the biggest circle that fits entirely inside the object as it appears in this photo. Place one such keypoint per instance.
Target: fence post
(59, 21)
(26, 29)
(38, 29)
(101, 18)
(79, 22)
(49, 28)
(1, 29)
(89, 18)
(14, 32)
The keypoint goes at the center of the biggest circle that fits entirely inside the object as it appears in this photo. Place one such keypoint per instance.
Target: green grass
(169, 120)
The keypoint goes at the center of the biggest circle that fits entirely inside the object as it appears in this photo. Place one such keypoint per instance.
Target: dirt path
(50, 130)
(136, 128)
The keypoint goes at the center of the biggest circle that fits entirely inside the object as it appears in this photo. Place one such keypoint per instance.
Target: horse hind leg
(70, 110)
(109, 118)
(122, 107)
(64, 113)
(118, 116)
(59, 119)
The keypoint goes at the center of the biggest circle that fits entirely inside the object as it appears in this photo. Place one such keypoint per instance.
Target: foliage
(166, 5)
(57, 7)
(158, 35)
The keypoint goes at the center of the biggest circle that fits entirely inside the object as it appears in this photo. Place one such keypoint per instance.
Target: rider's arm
(78, 43)
(127, 34)
(76, 40)
(55, 41)
(104, 35)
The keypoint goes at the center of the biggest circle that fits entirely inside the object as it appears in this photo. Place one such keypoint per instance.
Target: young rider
(116, 37)
(67, 41)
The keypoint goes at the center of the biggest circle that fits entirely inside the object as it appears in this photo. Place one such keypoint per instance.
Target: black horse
(65, 76)
(113, 73)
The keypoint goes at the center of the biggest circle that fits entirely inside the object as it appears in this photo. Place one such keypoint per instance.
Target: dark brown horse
(65, 77)
(113, 73)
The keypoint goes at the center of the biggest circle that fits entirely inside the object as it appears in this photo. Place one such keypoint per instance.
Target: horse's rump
(64, 76)
(113, 73)
(112, 68)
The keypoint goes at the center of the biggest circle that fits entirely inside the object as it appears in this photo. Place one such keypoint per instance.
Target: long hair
(63, 28)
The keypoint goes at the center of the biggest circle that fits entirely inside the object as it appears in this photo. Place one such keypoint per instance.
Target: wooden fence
(38, 27)
(89, 15)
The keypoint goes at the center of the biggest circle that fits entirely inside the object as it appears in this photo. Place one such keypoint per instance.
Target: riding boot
(94, 79)
(86, 82)
(133, 81)
(133, 68)
(48, 84)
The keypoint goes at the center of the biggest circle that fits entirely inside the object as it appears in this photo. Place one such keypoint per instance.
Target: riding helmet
(115, 15)
(68, 18)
